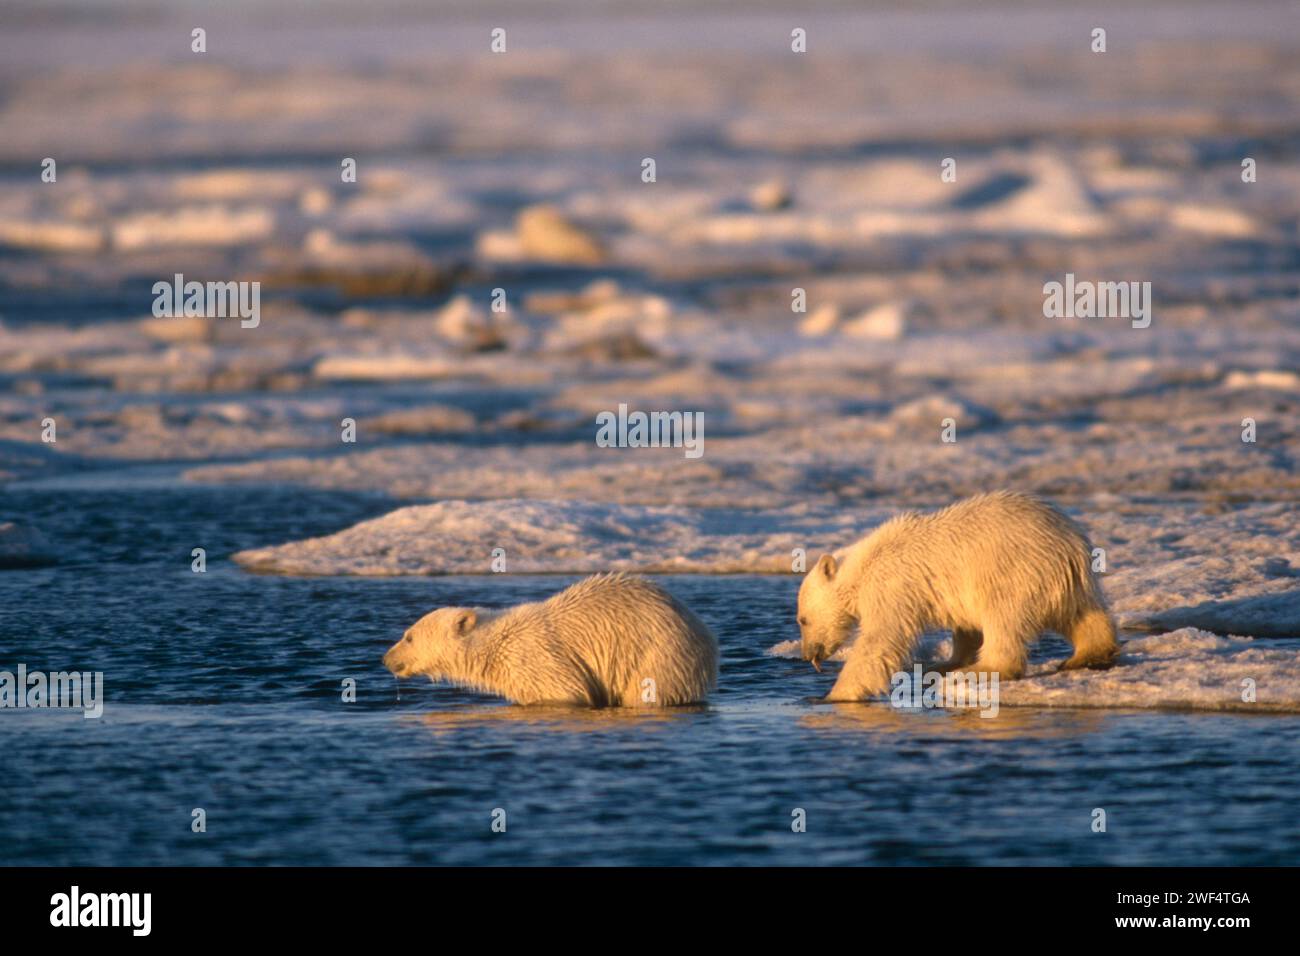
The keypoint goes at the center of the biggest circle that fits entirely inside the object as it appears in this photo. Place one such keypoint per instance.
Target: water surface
(224, 693)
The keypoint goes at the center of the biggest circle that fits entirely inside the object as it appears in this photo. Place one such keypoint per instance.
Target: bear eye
(409, 639)
(803, 622)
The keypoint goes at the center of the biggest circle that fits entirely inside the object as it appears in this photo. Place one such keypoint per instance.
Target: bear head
(434, 645)
(824, 624)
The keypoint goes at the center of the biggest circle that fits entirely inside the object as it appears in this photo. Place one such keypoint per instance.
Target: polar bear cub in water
(612, 640)
(997, 570)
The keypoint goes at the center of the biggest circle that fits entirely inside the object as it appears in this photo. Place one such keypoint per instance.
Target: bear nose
(398, 669)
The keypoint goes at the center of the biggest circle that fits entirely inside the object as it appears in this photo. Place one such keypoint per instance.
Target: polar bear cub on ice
(613, 640)
(997, 570)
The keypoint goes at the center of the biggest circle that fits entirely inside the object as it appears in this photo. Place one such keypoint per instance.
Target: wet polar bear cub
(997, 570)
(612, 640)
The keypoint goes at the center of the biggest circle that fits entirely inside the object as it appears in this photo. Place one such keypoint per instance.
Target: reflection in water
(948, 723)
(561, 718)
(932, 723)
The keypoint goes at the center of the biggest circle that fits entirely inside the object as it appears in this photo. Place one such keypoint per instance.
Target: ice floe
(1185, 669)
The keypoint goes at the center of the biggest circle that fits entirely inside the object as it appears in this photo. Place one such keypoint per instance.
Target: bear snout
(393, 661)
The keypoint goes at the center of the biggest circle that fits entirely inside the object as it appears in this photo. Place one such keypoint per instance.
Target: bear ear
(826, 565)
(465, 621)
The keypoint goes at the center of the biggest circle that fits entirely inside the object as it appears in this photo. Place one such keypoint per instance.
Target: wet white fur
(595, 644)
(1006, 566)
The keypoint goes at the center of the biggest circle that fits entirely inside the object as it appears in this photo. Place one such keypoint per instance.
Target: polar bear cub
(996, 569)
(613, 640)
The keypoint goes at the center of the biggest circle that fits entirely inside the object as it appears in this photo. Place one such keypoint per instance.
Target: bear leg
(1093, 637)
(865, 673)
(852, 683)
(1003, 652)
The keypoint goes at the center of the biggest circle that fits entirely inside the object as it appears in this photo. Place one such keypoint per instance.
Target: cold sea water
(223, 691)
